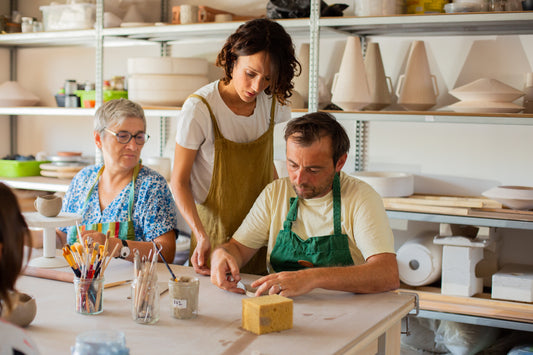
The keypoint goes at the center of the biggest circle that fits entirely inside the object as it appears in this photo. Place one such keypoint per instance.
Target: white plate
(515, 197)
(485, 107)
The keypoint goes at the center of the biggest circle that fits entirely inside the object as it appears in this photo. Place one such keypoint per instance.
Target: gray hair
(115, 112)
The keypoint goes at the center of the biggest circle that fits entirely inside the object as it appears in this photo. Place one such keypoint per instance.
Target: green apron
(123, 230)
(291, 253)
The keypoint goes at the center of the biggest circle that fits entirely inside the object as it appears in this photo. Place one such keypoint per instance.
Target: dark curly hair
(263, 35)
(13, 233)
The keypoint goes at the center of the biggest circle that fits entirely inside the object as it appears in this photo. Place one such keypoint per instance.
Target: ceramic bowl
(24, 309)
(515, 197)
(388, 184)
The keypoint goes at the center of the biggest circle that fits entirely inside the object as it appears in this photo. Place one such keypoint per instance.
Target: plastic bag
(277, 9)
(465, 339)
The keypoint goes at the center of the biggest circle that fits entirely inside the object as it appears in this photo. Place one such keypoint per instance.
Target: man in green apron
(322, 228)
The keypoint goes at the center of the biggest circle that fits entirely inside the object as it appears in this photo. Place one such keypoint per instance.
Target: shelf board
(431, 300)
(473, 221)
(504, 23)
(82, 112)
(437, 117)
(488, 23)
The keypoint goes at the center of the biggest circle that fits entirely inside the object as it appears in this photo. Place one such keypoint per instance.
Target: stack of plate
(486, 96)
(165, 81)
(64, 165)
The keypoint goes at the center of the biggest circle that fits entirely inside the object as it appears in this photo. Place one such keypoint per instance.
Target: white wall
(457, 159)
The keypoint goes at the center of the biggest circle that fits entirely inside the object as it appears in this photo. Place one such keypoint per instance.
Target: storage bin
(87, 98)
(68, 17)
(16, 168)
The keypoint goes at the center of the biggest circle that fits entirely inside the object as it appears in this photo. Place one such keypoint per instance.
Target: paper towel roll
(419, 261)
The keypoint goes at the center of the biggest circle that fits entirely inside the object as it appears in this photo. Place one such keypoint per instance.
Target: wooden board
(432, 300)
(457, 206)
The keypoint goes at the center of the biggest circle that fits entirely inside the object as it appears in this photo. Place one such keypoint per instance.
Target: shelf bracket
(314, 35)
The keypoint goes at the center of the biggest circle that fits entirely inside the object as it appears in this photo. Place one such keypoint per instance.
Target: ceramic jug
(301, 82)
(48, 205)
(417, 88)
(380, 85)
(350, 86)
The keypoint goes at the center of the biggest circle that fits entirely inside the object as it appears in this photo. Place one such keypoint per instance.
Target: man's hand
(225, 271)
(287, 284)
(200, 255)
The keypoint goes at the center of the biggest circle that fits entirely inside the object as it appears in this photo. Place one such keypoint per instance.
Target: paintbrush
(163, 258)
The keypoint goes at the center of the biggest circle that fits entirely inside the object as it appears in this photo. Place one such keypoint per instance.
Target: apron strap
(132, 189)
(293, 209)
(337, 205)
(213, 119)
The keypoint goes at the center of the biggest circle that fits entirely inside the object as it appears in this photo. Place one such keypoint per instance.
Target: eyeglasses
(124, 137)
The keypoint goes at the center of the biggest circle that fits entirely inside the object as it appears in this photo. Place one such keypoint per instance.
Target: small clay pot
(48, 205)
(24, 309)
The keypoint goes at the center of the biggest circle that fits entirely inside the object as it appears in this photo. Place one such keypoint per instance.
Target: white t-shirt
(195, 130)
(14, 338)
(363, 218)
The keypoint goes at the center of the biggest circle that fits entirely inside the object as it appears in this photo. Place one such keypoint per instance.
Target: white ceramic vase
(350, 89)
(301, 83)
(417, 88)
(380, 85)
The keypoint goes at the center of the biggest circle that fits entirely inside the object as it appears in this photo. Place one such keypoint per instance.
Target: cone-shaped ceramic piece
(301, 83)
(350, 86)
(381, 96)
(13, 94)
(417, 88)
(486, 89)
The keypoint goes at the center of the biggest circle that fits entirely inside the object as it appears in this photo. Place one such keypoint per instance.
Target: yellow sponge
(266, 314)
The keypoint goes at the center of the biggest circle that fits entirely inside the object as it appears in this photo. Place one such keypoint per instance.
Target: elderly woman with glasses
(121, 197)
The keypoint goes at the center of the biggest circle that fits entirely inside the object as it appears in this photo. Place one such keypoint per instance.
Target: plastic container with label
(68, 17)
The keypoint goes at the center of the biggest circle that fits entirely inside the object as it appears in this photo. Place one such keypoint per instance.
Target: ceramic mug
(48, 205)
(188, 14)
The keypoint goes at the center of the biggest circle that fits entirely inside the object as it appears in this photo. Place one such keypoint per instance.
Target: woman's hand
(200, 256)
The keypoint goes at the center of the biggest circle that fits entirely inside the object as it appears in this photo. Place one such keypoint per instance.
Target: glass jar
(89, 295)
(145, 299)
(184, 297)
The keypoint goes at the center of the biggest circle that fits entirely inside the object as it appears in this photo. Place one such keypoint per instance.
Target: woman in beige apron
(224, 143)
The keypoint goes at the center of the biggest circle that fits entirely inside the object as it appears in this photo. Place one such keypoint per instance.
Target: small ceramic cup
(48, 205)
(23, 311)
(188, 14)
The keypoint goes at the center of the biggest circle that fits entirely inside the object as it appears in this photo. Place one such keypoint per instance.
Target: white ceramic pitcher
(301, 83)
(417, 89)
(379, 84)
(350, 89)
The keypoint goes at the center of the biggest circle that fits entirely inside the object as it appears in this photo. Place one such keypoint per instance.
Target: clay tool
(163, 258)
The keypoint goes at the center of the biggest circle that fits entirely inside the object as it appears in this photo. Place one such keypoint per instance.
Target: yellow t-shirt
(363, 218)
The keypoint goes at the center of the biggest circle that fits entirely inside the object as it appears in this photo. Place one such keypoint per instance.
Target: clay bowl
(515, 197)
(23, 311)
(388, 184)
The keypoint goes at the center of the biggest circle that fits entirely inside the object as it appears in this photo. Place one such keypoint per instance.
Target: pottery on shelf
(301, 82)
(417, 88)
(515, 197)
(350, 89)
(13, 94)
(388, 184)
(486, 89)
(380, 85)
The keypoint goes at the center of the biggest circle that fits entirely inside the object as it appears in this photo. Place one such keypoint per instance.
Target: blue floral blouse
(154, 210)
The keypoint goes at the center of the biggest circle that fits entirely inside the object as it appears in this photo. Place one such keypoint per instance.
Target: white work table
(325, 322)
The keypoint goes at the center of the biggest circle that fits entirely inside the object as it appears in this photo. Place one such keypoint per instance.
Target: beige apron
(240, 172)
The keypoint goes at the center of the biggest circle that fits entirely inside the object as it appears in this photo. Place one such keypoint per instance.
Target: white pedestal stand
(51, 258)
